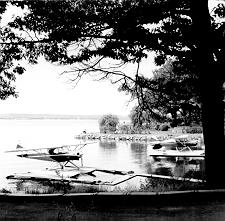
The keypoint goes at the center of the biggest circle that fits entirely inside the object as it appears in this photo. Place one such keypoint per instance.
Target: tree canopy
(9, 58)
(175, 98)
(89, 33)
(108, 123)
(102, 36)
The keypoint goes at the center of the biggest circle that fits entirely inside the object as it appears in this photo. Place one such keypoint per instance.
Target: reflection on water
(133, 156)
(178, 167)
(139, 153)
(167, 171)
(116, 156)
(122, 155)
(107, 144)
(108, 155)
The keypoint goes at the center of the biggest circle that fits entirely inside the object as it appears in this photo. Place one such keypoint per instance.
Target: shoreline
(154, 136)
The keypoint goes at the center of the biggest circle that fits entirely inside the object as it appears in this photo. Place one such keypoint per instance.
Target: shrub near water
(125, 129)
(163, 127)
(108, 123)
(164, 185)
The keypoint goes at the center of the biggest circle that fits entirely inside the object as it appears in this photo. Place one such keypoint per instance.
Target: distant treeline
(54, 116)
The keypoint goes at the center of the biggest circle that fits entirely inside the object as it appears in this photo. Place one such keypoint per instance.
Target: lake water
(109, 155)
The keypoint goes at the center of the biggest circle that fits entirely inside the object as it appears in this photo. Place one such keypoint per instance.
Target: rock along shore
(158, 135)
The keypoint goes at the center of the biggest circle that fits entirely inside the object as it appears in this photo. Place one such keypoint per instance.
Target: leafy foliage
(125, 129)
(108, 123)
(9, 59)
(175, 97)
(193, 129)
(88, 33)
(142, 120)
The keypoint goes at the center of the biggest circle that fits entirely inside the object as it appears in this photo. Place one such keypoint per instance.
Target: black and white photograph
(112, 110)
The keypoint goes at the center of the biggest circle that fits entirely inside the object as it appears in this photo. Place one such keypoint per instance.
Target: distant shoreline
(52, 117)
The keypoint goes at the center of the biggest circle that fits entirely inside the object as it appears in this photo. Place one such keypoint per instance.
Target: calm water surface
(109, 155)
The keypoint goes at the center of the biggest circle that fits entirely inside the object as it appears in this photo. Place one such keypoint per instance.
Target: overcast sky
(43, 91)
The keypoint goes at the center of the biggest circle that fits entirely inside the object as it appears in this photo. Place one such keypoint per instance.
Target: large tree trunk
(213, 124)
(212, 95)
